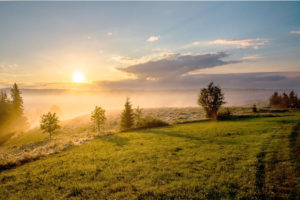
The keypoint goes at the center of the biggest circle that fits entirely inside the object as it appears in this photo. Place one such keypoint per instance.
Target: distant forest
(284, 100)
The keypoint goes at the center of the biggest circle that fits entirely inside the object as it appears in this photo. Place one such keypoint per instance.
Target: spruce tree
(4, 108)
(127, 117)
(17, 101)
(293, 99)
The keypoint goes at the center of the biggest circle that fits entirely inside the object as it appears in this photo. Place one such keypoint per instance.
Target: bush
(150, 122)
(226, 114)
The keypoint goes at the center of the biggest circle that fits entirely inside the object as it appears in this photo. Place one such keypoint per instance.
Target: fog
(72, 103)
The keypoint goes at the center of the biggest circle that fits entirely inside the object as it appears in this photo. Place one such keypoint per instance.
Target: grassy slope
(250, 158)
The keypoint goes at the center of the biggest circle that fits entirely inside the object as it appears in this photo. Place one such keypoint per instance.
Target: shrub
(151, 122)
(226, 114)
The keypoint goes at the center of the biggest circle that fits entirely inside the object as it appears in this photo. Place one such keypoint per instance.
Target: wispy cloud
(153, 38)
(253, 57)
(8, 68)
(124, 59)
(243, 43)
(295, 32)
(249, 43)
(152, 57)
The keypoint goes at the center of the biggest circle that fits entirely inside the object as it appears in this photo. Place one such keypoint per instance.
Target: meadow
(22, 147)
(250, 157)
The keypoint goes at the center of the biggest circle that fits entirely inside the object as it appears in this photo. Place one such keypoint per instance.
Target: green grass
(252, 158)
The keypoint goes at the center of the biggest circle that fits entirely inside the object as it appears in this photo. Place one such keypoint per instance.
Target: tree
(285, 101)
(49, 123)
(275, 100)
(17, 101)
(293, 99)
(4, 109)
(98, 118)
(3, 97)
(127, 117)
(211, 99)
(254, 109)
(138, 116)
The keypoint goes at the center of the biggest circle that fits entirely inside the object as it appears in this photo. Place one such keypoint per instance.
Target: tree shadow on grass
(171, 133)
(115, 139)
(250, 117)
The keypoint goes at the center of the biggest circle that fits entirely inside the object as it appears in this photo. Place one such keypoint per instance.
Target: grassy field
(17, 148)
(249, 158)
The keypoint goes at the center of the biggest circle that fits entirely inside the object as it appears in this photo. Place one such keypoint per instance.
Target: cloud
(243, 43)
(249, 43)
(134, 61)
(8, 68)
(295, 32)
(109, 33)
(124, 60)
(176, 65)
(253, 57)
(153, 38)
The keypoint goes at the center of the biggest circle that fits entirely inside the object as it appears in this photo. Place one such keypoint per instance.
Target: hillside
(250, 158)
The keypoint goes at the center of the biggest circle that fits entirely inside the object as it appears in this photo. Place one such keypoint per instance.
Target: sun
(78, 77)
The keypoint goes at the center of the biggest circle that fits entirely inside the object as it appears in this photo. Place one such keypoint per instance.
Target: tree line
(210, 98)
(130, 119)
(284, 101)
(11, 110)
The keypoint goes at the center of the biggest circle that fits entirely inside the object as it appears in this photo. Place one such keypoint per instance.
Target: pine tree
(4, 108)
(127, 117)
(285, 101)
(293, 99)
(3, 97)
(276, 100)
(17, 101)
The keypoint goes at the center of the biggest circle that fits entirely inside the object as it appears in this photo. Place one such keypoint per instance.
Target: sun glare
(78, 77)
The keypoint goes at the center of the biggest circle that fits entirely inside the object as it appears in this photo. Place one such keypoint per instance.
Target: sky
(150, 45)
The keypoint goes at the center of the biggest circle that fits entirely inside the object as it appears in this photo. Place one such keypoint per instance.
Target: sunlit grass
(199, 160)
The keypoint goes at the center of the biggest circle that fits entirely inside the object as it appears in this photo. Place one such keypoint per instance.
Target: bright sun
(78, 77)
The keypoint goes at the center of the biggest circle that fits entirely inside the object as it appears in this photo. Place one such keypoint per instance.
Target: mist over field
(72, 103)
(149, 100)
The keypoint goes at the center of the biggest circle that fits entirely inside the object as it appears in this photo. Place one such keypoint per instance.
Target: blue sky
(118, 44)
